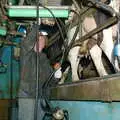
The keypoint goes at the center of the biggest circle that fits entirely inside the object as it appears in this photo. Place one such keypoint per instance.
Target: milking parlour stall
(59, 59)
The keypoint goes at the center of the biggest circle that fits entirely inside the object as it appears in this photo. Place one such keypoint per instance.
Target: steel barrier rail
(96, 89)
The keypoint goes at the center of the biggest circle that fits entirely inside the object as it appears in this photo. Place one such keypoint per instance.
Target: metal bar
(30, 11)
(34, 7)
(98, 89)
(111, 21)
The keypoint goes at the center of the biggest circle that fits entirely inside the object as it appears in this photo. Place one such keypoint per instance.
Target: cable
(46, 83)
(64, 31)
(63, 25)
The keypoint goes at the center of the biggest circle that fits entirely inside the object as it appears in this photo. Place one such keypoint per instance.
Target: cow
(95, 45)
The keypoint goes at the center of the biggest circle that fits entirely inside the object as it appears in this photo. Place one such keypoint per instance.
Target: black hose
(44, 91)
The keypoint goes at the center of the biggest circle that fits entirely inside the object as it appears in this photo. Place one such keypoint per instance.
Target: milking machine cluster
(58, 114)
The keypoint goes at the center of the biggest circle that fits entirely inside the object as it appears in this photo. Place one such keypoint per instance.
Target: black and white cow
(105, 42)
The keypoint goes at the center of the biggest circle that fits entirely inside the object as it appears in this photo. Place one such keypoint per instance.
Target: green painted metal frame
(30, 11)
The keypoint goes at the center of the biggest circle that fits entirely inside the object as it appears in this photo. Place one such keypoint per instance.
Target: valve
(58, 114)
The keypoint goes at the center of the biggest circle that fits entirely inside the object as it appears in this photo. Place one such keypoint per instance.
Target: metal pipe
(37, 64)
(34, 7)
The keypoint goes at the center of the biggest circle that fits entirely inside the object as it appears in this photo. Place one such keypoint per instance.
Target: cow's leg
(95, 51)
(74, 61)
(107, 44)
(116, 5)
(96, 55)
(73, 55)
